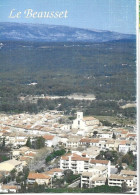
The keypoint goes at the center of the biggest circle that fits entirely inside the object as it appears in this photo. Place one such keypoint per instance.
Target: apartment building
(117, 180)
(95, 176)
(101, 163)
(75, 162)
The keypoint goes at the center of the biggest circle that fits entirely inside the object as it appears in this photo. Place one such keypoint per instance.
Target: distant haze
(57, 33)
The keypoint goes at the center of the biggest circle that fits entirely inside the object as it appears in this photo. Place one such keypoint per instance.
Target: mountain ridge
(57, 33)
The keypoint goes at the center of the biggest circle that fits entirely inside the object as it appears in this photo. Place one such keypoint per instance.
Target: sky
(112, 15)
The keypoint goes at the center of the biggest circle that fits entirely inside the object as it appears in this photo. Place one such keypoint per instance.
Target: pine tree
(28, 143)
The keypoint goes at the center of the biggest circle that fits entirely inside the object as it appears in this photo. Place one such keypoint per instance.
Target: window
(78, 122)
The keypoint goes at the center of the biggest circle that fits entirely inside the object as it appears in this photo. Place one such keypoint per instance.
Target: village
(44, 150)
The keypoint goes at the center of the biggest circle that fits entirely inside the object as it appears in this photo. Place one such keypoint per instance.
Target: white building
(73, 142)
(75, 162)
(117, 180)
(90, 180)
(9, 165)
(56, 172)
(84, 123)
(101, 163)
(8, 188)
(51, 140)
(124, 146)
(39, 178)
(104, 134)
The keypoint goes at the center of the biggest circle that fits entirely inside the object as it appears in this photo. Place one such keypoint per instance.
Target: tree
(124, 187)
(106, 182)
(25, 172)
(39, 142)
(95, 133)
(67, 174)
(23, 188)
(28, 143)
(36, 188)
(2, 144)
(13, 174)
(120, 168)
(129, 158)
(114, 136)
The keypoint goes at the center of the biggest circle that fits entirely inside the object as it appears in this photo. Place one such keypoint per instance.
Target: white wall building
(51, 140)
(75, 162)
(84, 123)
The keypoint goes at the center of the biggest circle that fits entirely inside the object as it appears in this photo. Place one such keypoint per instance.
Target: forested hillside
(107, 70)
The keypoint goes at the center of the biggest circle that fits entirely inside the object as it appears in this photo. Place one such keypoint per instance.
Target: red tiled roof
(56, 170)
(88, 140)
(48, 137)
(122, 142)
(131, 135)
(80, 158)
(65, 157)
(89, 118)
(99, 161)
(85, 140)
(38, 176)
(8, 187)
(30, 154)
(124, 132)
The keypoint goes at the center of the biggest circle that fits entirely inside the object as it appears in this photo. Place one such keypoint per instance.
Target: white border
(138, 93)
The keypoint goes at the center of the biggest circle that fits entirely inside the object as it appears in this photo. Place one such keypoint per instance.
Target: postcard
(68, 96)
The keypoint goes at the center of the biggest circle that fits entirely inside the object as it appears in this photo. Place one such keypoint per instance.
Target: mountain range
(57, 33)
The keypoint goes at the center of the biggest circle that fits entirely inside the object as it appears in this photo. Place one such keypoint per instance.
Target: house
(75, 162)
(20, 142)
(56, 172)
(50, 140)
(131, 137)
(101, 163)
(117, 180)
(72, 142)
(39, 178)
(9, 165)
(86, 178)
(93, 177)
(110, 144)
(63, 138)
(133, 147)
(98, 181)
(128, 173)
(30, 155)
(9, 188)
(23, 151)
(66, 128)
(120, 133)
(124, 146)
(89, 142)
(104, 134)
(124, 134)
